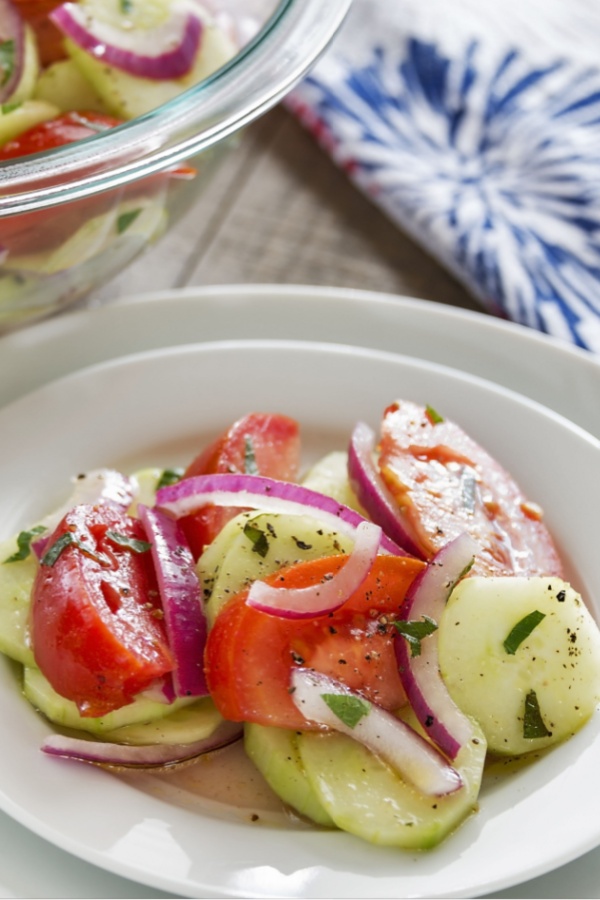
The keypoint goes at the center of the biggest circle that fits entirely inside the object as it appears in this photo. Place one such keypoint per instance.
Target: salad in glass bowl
(375, 630)
(113, 114)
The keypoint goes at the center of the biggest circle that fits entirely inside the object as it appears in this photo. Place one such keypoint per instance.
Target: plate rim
(348, 350)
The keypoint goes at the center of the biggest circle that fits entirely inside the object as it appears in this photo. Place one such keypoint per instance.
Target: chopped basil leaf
(433, 415)
(250, 464)
(533, 724)
(169, 476)
(349, 710)
(414, 632)
(522, 630)
(126, 219)
(24, 539)
(126, 6)
(10, 107)
(54, 551)
(7, 61)
(260, 544)
(123, 540)
(68, 539)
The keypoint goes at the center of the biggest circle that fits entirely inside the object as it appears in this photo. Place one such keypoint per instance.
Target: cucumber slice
(330, 476)
(63, 85)
(14, 120)
(128, 96)
(275, 754)
(133, 14)
(559, 660)
(185, 725)
(31, 67)
(235, 558)
(16, 582)
(365, 797)
(57, 709)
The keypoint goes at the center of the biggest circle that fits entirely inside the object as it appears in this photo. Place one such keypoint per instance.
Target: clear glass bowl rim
(288, 45)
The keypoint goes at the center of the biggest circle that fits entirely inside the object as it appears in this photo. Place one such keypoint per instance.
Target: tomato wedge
(258, 444)
(445, 484)
(96, 621)
(250, 654)
(52, 228)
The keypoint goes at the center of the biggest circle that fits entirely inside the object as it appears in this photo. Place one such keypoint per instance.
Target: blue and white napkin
(475, 125)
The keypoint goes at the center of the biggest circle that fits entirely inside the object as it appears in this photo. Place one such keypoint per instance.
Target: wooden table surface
(279, 211)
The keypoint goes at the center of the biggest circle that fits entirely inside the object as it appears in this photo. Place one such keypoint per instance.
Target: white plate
(566, 379)
(563, 377)
(156, 407)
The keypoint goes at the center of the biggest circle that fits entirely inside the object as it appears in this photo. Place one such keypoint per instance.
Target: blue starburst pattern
(492, 164)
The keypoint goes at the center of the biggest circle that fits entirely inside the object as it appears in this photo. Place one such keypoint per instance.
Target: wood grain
(279, 211)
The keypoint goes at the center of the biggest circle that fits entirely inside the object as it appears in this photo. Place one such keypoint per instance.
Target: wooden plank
(279, 211)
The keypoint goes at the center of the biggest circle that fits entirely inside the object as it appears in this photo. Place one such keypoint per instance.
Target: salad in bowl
(113, 115)
(375, 631)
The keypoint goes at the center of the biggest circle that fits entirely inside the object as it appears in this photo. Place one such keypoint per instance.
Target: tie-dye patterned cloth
(476, 126)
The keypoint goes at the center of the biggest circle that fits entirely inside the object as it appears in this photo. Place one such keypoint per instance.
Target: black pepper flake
(302, 545)
(561, 596)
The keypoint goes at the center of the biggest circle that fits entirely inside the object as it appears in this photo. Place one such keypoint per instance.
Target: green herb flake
(169, 476)
(433, 415)
(24, 539)
(533, 724)
(53, 552)
(414, 632)
(349, 710)
(126, 6)
(123, 540)
(7, 61)
(522, 630)
(126, 219)
(250, 464)
(68, 539)
(10, 107)
(258, 538)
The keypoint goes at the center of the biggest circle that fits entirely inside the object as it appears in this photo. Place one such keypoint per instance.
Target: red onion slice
(95, 487)
(160, 53)
(266, 494)
(381, 732)
(447, 726)
(12, 29)
(181, 601)
(149, 756)
(327, 596)
(371, 491)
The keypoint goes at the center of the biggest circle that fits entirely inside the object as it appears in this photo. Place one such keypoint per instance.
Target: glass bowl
(82, 212)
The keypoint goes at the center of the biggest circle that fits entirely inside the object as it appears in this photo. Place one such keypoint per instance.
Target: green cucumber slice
(16, 582)
(63, 85)
(128, 96)
(60, 711)
(275, 754)
(253, 546)
(558, 660)
(330, 476)
(14, 120)
(365, 797)
(187, 724)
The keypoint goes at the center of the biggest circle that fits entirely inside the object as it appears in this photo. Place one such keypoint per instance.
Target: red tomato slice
(445, 483)
(64, 129)
(258, 444)
(52, 228)
(96, 622)
(50, 40)
(250, 654)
